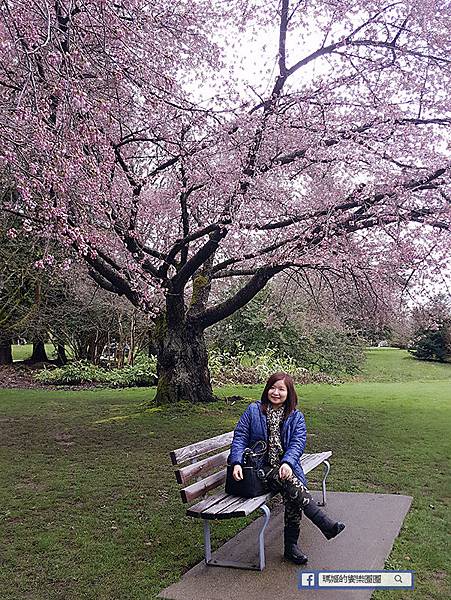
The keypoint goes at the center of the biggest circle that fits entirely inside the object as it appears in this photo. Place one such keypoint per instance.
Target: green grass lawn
(89, 507)
(24, 351)
(388, 364)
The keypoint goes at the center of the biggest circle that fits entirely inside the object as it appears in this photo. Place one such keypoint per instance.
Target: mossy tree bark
(183, 372)
(6, 356)
(39, 354)
(61, 354)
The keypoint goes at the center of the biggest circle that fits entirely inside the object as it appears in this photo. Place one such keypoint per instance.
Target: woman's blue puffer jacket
(253, 426)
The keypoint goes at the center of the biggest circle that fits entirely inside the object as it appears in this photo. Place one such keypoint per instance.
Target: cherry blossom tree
(131, 135)
(17, 290)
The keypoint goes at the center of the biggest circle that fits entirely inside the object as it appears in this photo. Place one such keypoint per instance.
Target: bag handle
(255, 446)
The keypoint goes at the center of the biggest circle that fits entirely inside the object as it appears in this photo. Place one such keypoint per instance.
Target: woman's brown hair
(292, 399)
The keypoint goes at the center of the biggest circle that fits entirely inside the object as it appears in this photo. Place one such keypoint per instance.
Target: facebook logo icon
(306, 580)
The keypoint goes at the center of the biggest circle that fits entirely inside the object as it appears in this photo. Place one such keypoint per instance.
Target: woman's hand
(237, 473)
(285, 471)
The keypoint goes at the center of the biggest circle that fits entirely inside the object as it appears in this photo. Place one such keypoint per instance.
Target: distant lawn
(23, 352)
(89, 507)
(391, 364)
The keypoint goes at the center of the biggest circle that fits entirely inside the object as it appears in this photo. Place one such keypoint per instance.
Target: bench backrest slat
(199, 448)
(201, 468)
(207, 465)
(199, 488)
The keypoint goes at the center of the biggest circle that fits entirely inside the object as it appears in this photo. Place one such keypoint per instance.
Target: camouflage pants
(294, 494)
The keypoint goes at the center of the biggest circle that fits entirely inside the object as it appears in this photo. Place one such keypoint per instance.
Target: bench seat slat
(228, 504)
(242, 507)
(194, 511)
(311, 461)
(238, 507)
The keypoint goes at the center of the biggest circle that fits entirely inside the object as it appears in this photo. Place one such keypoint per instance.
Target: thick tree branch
(240, 299)
(260, 252)
(117, 283)
(179, 281)
(104, 283)
(283, 37)
(137, 251)
(169, 258)
(427, 182)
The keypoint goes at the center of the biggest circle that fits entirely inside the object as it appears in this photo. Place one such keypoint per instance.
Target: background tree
(323, 317)
(92, 323)
(432, 330)
(19, 283)
(333, 152)
(433, 343)
(62, 305)
(283, 318)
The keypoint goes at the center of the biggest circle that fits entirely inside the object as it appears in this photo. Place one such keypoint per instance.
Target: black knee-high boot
(291, 550)
(328, 528)
(302, 497)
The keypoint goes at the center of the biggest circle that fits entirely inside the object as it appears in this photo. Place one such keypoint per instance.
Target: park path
(373, 521)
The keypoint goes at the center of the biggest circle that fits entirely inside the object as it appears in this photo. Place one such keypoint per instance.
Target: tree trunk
(91, 350)
(152, 349)
(131, 351)
(61, 354)
(182, 360)
(6, 355)
(38, 354)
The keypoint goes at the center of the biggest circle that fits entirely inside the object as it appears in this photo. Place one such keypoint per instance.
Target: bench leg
(323, 485)
(207, 541)
(213, 562)
(261, 537)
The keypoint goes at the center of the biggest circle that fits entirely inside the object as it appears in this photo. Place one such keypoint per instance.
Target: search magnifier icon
(398, 578)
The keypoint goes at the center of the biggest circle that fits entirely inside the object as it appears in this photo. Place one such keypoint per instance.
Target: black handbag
(253, 483)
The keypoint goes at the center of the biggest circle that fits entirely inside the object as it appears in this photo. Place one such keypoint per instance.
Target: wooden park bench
(222, 505)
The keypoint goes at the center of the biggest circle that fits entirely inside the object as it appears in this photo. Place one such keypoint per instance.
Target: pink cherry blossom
(130, 134)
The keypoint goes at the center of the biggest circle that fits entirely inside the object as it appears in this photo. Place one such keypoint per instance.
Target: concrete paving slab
(372, 522)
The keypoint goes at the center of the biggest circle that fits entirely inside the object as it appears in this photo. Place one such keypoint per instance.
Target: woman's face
(277, 394)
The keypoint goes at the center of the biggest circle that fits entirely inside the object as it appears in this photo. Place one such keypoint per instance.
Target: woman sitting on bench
(276, 420)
